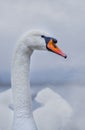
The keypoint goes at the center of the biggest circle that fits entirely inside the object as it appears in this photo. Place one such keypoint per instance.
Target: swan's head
(37, 40)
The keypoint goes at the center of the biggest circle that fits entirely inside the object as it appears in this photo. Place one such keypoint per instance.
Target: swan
(55, 112)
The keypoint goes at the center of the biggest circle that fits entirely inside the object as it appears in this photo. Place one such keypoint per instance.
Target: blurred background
(62, 19)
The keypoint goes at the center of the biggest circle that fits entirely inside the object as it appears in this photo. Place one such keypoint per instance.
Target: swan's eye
(47, 39)
(42, 36)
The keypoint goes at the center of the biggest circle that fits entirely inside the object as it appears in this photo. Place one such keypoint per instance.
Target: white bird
(55, 112)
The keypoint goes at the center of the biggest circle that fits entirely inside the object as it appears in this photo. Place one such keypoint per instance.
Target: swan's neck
(20, 82)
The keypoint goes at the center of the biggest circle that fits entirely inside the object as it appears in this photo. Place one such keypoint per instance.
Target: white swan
(55, 112)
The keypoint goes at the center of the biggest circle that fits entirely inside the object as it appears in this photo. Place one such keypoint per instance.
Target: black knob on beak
(54, 40)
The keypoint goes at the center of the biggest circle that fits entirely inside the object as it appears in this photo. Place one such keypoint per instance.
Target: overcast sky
(63, 19)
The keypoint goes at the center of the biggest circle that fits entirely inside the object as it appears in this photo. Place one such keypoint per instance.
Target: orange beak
(54, 48)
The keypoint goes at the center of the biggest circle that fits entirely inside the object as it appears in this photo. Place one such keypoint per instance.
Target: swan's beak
(54, 48)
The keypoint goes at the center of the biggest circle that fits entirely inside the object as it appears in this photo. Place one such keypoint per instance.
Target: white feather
(55, 112)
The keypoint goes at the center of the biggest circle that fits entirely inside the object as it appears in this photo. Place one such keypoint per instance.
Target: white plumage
(54, 114)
